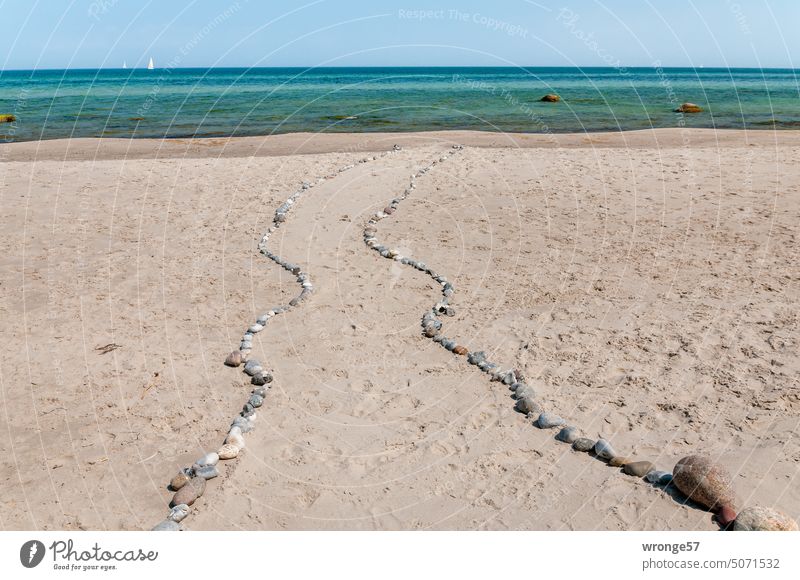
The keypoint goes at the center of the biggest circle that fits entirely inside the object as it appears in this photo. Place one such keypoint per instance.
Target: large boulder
(761, 519)
(705, 482)
(550, 98)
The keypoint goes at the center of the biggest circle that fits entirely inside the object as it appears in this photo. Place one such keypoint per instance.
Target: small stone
(234, 359)
(235, 437)
(261, 379)
(208, 459)
(583, 444)
(253, 367)
(207, 471)
(178, 513)
(638, 468)
(256, 401)
(705, 482)
(726, 516)
(228, 451)
(567, 435)
(179, 481)
(460, 350)
(527, 406)
(166, 526)
(762, 519)
(604, 450)
(193, 489)
(509, 378)
(255, 328)
(659, 477)
(524, 391)
(549, 420)
(619, 461)
(476, 357)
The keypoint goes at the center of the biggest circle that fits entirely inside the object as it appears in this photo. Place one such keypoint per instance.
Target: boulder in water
(550, 98)
(689, 108)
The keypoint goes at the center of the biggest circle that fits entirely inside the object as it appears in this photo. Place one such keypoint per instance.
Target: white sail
(124, 64)
(150, 64)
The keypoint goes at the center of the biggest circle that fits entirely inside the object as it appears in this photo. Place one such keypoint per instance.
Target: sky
(47, 34)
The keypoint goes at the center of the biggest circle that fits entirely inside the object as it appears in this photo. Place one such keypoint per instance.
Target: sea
(222, 102)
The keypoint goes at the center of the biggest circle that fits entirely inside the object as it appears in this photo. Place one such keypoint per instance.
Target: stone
(659, 477)
(193, 489)
(178, 513)
(253, 367)
(179, 481)
(550, 98)
(255, 328)
(638, 468)
(583, 444)
(261, 379)
(256, 401)
(689, 108)
(5, 118)
(476, 357)
(567, 435)
(604, 450)
(762, 519)
(235, 437)
(166, 526)
(460, 350)
(704, 482)
(524, 391)
(206, 471)
(208, 459)
(619, 461)
(549, 421)
(726, 516)
(527, 406)
(234, 359)
(228, 451)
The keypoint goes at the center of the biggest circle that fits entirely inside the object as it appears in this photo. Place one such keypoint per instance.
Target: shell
(178, 513)
(189, 492)
(228, 451)
(704, 482)
(234, 359)
(761, 519)
(604, 450)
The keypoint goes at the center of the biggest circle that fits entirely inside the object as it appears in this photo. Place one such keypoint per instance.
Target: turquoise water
(223, 102)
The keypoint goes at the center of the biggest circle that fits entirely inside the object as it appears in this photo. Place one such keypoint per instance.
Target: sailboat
(150, 64)
(124, 64)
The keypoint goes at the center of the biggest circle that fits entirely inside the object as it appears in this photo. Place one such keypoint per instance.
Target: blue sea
(218, 102)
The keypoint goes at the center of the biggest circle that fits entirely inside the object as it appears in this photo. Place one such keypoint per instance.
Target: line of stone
(190, 483)
(697, 477)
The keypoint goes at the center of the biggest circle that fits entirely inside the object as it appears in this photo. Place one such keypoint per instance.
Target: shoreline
(102, 149)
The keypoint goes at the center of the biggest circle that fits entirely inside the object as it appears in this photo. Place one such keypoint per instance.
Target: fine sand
(647, 284)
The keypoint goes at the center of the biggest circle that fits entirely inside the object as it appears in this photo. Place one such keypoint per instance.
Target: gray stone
(659, 477)
(568, 435)
(527, 405)
(178, 513)
(256, 401)
(604, 450)
(253, 367)
(583, 444)
(476, 357)
(206, 472)
(549, 420)
(166, 526)
(638, 468)
(208, 459)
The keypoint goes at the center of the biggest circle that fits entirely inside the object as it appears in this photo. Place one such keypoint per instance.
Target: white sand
(648, 288)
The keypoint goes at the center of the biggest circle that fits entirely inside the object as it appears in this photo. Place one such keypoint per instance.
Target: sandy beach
(645, 282)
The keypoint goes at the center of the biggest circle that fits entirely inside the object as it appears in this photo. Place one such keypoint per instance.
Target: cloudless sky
(104, 33)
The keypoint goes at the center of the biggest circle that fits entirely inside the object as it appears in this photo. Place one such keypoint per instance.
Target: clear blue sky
(104, 33)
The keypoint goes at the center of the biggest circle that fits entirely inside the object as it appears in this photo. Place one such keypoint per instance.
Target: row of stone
(190, 483)
(697, 477)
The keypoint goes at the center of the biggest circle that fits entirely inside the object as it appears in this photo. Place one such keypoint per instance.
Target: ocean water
(225, 101)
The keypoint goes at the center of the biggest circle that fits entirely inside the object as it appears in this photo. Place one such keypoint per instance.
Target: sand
(647, 283)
